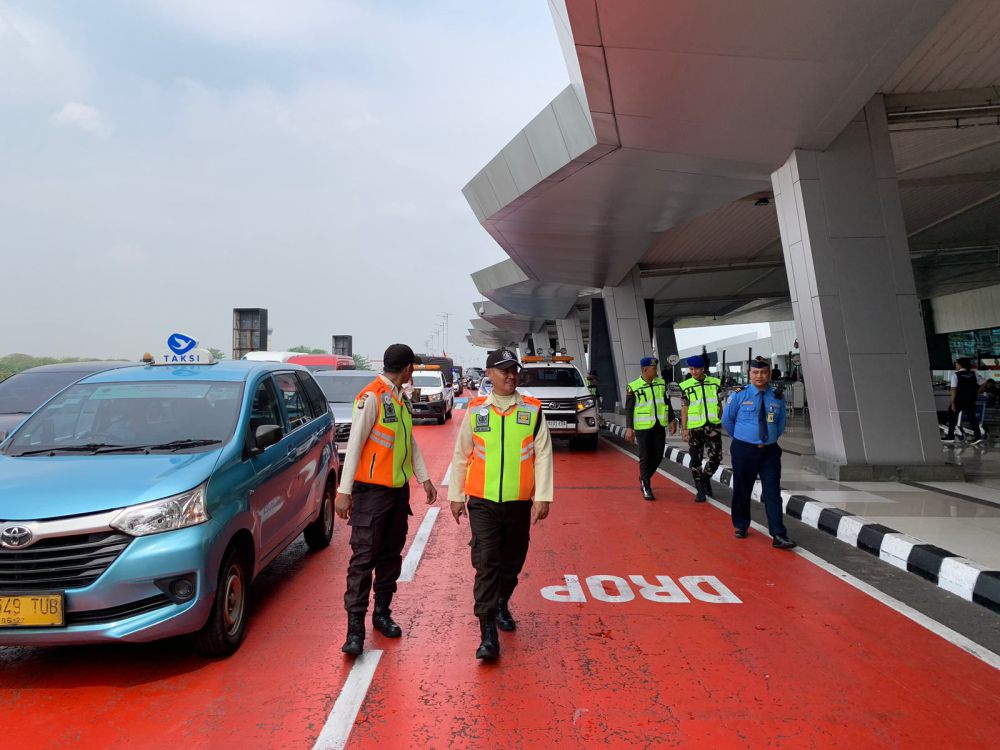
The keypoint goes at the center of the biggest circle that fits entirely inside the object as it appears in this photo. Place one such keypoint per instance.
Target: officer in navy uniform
(755, 418)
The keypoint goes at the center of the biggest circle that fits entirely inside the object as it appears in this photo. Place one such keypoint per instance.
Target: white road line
(447, 476)
(341, 720)
(412, 559)
(943, 631)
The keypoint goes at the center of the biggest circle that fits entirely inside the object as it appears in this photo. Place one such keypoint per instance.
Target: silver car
(341, 387)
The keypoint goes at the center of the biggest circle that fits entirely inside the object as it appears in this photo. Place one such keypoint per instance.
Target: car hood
(38, 487)
(342, 411)
(551, 393)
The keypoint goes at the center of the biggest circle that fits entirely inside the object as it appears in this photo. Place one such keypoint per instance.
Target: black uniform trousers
(651, 445)
(969, 421)
(749, 463)
(378, 522)
(500, 535)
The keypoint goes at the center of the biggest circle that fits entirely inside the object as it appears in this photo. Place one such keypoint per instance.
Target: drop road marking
(942, 631)
(447, 476)
(341, 720)
(412, 559)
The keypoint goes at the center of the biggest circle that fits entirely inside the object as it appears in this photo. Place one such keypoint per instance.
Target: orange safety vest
(502, 465)
(386, 458)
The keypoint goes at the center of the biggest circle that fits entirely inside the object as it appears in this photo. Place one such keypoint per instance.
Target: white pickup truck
(570, 409)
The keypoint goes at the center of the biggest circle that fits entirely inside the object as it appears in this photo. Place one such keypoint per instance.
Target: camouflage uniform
(709, 436)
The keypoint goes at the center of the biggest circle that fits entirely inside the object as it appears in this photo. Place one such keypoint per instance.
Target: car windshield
(427, 381)
(26, 391)
(156, 415)
(343, 390)
(550, 377)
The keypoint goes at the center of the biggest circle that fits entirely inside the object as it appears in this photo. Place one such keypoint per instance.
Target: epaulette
(737, 389)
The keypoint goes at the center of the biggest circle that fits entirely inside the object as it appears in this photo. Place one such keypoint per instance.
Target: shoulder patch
(737, 390)
(362, 398)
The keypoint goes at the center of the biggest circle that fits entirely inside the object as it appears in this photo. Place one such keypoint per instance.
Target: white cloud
(264, 21)
(82, 116)
(36, 62)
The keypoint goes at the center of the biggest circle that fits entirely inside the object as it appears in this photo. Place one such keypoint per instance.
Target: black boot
(699, 488)
(382, 620)
(355, 642)
(505, 620)
(647, 491)
(489, 649)
(707, 484)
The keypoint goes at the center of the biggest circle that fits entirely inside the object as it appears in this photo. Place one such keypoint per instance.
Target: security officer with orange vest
(504, 453)
(701, 423)
(648, 411)
(374, 494)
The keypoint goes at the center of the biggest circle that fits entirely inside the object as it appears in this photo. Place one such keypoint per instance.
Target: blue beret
(695, 362)
(648, 362)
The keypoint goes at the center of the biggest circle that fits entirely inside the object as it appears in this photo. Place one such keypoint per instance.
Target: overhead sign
(183, 350)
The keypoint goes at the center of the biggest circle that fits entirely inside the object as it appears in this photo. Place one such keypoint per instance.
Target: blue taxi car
(140, 503)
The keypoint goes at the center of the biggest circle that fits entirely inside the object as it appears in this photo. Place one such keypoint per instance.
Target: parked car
(433, 397)
(140, 502)
(340, 388)
(22, 393)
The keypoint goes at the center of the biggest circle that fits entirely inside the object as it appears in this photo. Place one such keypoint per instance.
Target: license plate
(32, 611)
(556, 425)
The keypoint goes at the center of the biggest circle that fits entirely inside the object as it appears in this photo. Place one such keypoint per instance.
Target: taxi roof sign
(183, 350)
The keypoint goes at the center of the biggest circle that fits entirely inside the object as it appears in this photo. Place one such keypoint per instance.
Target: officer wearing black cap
(374, 493)
(503, 466)
(755, 418)
(647, 413)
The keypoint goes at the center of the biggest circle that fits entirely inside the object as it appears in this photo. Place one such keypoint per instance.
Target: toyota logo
(15, 537)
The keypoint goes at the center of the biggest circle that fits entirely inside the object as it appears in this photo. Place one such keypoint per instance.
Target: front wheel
(226, 626)
(441, 418)
(319, 533)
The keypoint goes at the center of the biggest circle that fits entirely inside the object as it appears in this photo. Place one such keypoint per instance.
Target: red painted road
(803, 661)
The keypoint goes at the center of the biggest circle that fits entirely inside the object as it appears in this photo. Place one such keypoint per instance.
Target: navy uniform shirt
(748, 409)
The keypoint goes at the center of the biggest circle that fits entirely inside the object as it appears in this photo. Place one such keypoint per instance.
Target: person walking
(755, 418)
(648, 412)
(504, 454)
(374, 494)
(966, 385)
(701, 419)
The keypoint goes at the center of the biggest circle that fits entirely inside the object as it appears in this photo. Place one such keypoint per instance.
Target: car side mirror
(266, 436)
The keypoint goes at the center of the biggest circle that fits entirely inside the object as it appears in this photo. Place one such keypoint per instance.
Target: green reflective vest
(502, 463)
(703, 401)
(650, 403)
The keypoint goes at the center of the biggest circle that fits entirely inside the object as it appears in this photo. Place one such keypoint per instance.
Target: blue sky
(163, 161)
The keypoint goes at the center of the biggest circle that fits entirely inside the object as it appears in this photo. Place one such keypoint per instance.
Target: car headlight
(167, 514)
(433, 396)
(584, 403)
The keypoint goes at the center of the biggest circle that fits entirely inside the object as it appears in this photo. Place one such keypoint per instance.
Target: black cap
(398, 356)
(502, 359)
(759, 363)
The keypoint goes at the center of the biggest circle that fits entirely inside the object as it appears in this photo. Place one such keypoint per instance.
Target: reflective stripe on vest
(502, 464)
(650, 403)
(385, 459)
(702, 396)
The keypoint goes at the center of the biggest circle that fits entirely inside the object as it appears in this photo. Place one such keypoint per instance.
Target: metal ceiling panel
(962, 52)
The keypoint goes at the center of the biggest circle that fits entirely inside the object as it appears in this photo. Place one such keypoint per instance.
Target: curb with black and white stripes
(953, 573)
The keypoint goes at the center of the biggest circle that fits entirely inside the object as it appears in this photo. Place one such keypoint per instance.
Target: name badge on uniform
(770, 416)
(524, 417)
(388, 409)
(482, 421)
